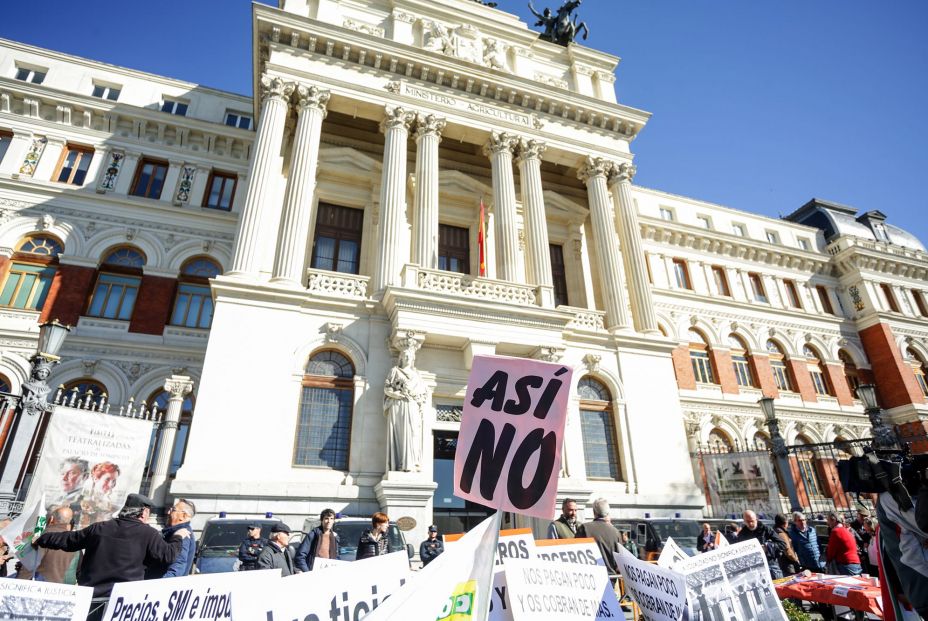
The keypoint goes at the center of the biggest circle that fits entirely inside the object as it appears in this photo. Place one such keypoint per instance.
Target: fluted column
(290, 258)
(509, 264)
(538, 256)
(178, 387)
(261, 172)
(639, 290)
(425, 213)
(593, 174)
(391, 255)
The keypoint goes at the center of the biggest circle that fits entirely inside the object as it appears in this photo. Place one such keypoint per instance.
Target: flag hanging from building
(482, 240)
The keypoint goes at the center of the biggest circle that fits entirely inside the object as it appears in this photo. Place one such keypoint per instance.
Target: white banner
(581, 552)
(90, 462)
(19, 534)
(659, 592)
(541, 589)
(671, 554)
(31, 600)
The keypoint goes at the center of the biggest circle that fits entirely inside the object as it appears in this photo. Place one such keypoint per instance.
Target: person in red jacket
(842, 547)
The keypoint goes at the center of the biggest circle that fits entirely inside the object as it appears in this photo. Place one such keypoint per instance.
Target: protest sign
(671, 554)
(581, 552)
(19, 534)
(328, 563)
(90, 462)
(540, 589)
(31, 600)
(731, 583)
(659, 592)
(197, 597)
(509, 447)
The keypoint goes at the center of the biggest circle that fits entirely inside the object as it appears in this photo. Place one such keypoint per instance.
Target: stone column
(538, 256)
(275, 94)
(509, 264)
(390, 255)
(425, 214)
(178, 386)
(290, 258)
(593, 174)
(639, 290)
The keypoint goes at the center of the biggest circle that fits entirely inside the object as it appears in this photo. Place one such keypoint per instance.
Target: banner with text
(512, 428)
(541, 589)
(659, 592)
(29, 600)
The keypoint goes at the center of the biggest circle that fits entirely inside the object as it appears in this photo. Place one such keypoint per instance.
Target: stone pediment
(558, 202)
(349, 160)
(457, 183)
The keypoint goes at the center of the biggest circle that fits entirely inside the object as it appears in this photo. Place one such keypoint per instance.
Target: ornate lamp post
(883, 434)
(780, 454)
(33, 404)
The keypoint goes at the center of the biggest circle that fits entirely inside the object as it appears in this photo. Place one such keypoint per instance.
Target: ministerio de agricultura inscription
(441, 99)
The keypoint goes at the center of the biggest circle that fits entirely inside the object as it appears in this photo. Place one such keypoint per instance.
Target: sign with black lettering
(543, 590)
(31, 599)
(509, 448)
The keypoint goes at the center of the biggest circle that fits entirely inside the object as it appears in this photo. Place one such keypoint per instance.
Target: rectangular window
(818, 380)
(757, 286)
(220, 191)
(682, 274)
(149, 179)
(453, 249)
(114, 296)
(337, 245)
(193, 306)
(920, 302)
(27, 74)
(890, 297)
(599, 444)
(324, 428)
(780, 375)
(5, 139)
(721, 281)
(824, 299)
(558, 275)
(172, 106)
(772, 237)
(75, 161)
(702, 367)
(742, 370)
(26, 286)
(738, 229)
(792, 294)
(704, 222)
(666, 214)
(804, 244)
(237, 119)
(106, 92)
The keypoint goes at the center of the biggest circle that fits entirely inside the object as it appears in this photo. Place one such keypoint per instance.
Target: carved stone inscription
(442, 99)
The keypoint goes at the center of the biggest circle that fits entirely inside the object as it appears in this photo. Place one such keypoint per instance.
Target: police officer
(251, 548)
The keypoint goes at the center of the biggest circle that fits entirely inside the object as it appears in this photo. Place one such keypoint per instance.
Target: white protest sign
(29, 599)
(341, 593)
(540, 589)
(671, 554)
(580, 552)
(328, 563)
(659, 592)
(509, 447)
(201, 596)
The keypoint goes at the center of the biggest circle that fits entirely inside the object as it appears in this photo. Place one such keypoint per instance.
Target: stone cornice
(855, 254)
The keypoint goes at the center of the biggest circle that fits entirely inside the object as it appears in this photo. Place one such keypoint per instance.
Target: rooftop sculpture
(561, 27)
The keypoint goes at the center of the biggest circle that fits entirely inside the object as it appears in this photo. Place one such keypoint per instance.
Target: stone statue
(405, 396)
(494, 54)
(437, 38)
(35, 391)
(560, 27)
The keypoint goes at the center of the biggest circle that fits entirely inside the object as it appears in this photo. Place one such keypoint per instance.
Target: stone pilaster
(178, 387)
(268, 141)
(390, 255)
(538, 255)
(509, 264)
(593, 174)
(639, 290)
(425, 214)
(290, 259)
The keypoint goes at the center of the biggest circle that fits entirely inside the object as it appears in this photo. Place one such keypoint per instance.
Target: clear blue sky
(758, 105)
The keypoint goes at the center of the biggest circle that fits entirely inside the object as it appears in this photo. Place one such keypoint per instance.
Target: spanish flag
(482, 240)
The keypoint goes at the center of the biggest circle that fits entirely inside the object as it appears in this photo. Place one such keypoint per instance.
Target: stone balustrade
(337, 284)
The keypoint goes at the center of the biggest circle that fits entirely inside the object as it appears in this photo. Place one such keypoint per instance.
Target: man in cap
(116, 550)
(276, 554)
(431, 547)
(251, 548)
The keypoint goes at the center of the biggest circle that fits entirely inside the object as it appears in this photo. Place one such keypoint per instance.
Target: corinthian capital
(623, 172)
(178, 386)
(429, 125)
(594, 167)
(312, 97)
(396, 117)
(276, 88)
(500, 142)
(530, 150)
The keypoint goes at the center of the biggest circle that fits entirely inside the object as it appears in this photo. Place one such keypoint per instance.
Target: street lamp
(51, 338)
(883, 434)
(780, 453)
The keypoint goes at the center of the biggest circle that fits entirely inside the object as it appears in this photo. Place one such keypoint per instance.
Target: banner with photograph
(739, 481)
(90, 462)
(29, 600)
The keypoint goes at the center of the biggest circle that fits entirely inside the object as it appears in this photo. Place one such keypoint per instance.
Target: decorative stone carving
(591, 321)
(550, 80)
(429, 124)
(35, 392)
(437, 38)
(530, 149)
(594, 167)
(500, 142)
(275, 87)
(46, 222)
(622, 172)
(31, 160)
(333, 331)
(548, 354)
(308, 96)
(459, 284)
(591, 362)
(89, 367)
(405, 398)
(352, 24)
(337, 285)
(494, 54)
(403, 17)
(394, 86)
(396, 116)
(854, 291)
(185, 184)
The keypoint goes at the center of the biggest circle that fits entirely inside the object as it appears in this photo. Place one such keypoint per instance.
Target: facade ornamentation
(591, 362)
(859, 305)
(622, 173)
(448, 414)
(548, 354)
(591, 321)
(276, 88)
(530, 149)
(308, 96)
(395, 117)
(429, 125)
(462, 42)
(404, 17)
(560, 27)
(353, 24)
(187, 174)
(337, 285)
(460, 284)
(34, 400)
(550, 80)
(45, 222)
(405, 398)
(31, 160)
(333, 331)
(594, 167)
(500, 142)
(494, 54)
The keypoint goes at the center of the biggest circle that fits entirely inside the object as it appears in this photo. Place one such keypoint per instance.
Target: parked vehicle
(217, 547)
(650, 534)
(349, 532)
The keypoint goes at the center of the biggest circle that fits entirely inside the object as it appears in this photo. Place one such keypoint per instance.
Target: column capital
(178, 386)
(429, 125)
(309, 96)
(276, 88)
(594, 167)
(396, 117)
(530, 149)
(500, 142)
(622, 172)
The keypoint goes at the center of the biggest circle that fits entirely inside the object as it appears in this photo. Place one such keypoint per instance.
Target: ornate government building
(277, 251)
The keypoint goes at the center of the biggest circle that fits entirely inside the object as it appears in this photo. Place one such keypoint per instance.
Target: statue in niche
(561, 27)
(405, 396)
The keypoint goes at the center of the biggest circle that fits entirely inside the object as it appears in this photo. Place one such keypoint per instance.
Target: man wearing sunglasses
(179, 516)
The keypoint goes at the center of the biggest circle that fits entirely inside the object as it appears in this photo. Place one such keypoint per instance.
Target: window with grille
(220, 191)
(337, 244)
(757, 287)
(721, 281)
(74, 164)
(149, 179)
(792, 294)
(681, 274)
(323, 435)
(740, 363)
(84, 392)
(558, 275)
(778, 365)
(453, 249)
(597, 422)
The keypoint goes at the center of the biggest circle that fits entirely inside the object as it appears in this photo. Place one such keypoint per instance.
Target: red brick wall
(68, 295)
(153, 306)
(894, 379)
(835, 375)
(802, 379)
(724, 371)
(683, 368)
(765, 375)
(800, 484)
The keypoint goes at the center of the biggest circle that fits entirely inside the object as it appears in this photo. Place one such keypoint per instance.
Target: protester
(858, 528)
(841, 553)
(276, 554)
(321, 542)
(5, 553)
(731, 532)
(565, 527)
(374, 542)
(250, 549)
(789, 561)
(773, 546)
(179, 516)
(706, 540)
(873, 548)
(805, 543)
(625, 538)
(55, 564)
(116, 550)
(604, 533)
(431, 547)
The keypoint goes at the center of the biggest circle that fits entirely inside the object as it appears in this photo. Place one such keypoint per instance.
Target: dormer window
(772, 237)
(105, 91)
(174, 106)
(31, 74)
(879, 230)
(237, 119)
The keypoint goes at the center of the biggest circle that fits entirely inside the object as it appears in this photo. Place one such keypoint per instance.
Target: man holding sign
(512, 429)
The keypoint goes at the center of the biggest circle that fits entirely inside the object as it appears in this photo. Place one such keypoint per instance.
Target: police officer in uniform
(251, 548)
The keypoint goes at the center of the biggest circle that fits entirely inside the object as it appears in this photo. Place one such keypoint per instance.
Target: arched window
(851, 373)
(720, 441)
(5, 384)
(118, 282)
(193, 304)
(918, 368)
(31, 273)
(323, 435)
(807, 468)
(740, 362)
(699, 357)
(817, 371)
(781, 374)
(78, 391)
(159, 401)
(597, 421)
